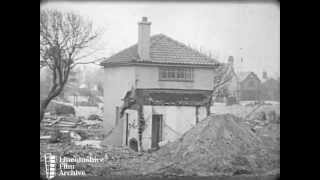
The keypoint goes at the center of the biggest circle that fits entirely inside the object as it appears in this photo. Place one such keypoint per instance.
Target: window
(175, 74)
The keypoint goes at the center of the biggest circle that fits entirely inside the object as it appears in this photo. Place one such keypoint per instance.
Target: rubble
(75, 136)
(69, 122)
(218, 145)
(91, 143)
(59, 121)
(94, 117)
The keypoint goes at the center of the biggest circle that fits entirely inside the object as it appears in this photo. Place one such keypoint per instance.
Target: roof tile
(163, 49)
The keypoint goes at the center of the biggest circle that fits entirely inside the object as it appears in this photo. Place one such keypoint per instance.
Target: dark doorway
(127, 128)
(156, 130)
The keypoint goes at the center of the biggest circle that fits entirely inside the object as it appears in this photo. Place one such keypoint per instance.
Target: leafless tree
(223, 76)
(65, 39)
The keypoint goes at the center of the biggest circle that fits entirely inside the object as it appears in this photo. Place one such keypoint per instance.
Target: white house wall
(146, 136)
(177, 120)
(132, 125)
(148, 77)
(202, 113)
(117, 81)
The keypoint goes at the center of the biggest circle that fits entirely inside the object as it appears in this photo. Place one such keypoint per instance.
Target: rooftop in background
(163, 49)
(243, 75)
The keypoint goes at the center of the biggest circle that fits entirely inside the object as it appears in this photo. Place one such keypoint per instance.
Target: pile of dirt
(270, 135)
(218, 145)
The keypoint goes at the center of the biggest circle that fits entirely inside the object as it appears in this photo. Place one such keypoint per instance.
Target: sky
(250, 31)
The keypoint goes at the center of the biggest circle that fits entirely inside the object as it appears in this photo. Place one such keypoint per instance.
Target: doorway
(127, 128)
(157, 130)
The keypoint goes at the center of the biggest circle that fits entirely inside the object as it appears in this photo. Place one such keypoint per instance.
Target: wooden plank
(72, 129)
(54, 122)
(66, 122)
(47, 121)
(65, 125)
(45, 137)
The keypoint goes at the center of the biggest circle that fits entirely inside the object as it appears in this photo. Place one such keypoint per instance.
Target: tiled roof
(243, 75)
(163, 49)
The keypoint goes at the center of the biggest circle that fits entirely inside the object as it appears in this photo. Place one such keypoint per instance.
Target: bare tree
(65, 39)
(224, 75)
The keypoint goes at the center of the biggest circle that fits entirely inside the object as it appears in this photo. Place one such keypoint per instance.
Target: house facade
(167, 114)
(270, 88)
(160, 81)
(250, 86)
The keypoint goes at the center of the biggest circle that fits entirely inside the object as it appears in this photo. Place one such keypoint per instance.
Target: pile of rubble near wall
(218, 145)
(67, 129)
(69, 122)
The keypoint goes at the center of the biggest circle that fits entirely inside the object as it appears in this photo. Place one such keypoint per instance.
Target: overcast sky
(247, 30)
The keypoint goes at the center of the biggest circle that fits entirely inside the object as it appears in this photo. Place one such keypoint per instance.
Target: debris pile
(69, 122)
(218, 145)
(244, 110)
(90, 124)
(94, 117)
(65, 129)
(59, 121)
(265, 122)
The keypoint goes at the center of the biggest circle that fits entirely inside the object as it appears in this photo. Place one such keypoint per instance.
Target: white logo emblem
(50, 164)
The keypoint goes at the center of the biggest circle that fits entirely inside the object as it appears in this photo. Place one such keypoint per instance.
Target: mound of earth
(218, 145)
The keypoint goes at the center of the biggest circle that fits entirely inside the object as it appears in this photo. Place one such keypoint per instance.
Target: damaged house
(155, 90)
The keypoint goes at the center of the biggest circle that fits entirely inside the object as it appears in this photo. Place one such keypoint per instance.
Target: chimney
(144, 39)
(264, 75)
(230, 60)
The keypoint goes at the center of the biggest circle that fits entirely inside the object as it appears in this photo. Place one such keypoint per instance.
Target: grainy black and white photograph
(160, 90)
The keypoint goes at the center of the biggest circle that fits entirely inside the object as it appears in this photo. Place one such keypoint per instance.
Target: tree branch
(62, 37)
(89, 62)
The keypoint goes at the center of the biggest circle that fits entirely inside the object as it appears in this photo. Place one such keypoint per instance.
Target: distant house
(160, 81)
(249, 86)
(270, 88)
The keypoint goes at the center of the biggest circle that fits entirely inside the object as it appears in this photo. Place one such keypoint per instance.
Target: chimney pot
(145, 19)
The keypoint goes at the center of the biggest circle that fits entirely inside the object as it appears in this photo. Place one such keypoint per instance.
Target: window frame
(169, 71)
